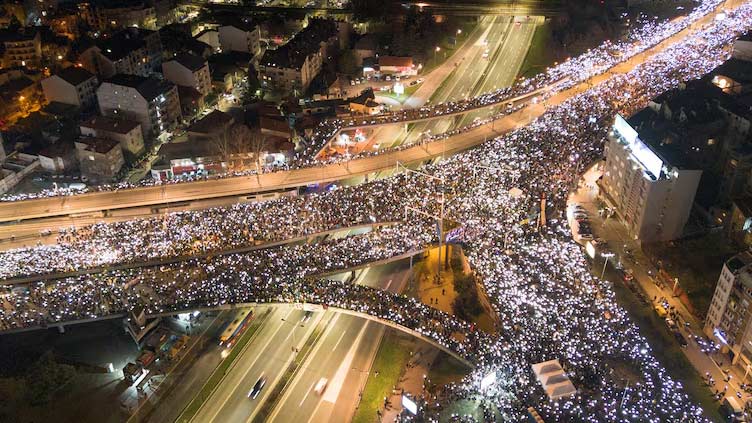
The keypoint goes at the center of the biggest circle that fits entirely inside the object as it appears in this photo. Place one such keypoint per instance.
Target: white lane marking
(340, 339)
(388, 284)
(305, 396)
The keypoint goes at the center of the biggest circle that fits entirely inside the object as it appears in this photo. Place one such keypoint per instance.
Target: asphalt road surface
(267, 355)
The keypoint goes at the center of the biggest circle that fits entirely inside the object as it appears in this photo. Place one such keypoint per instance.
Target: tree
(239, 139)
(46, 377)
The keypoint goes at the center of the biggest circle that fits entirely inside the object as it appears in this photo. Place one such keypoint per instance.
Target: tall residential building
(649, 183)
(137, 15)
(152, 102)
(72, 85)
(240, 35)
(293, 66)
(188, 70)
(730, 312)
(131, 51)
(23, 47)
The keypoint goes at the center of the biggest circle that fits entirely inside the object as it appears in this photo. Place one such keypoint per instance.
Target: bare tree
(239, 139)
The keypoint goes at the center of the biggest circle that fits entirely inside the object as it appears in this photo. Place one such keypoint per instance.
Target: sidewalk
(412, 380)
(616, 236)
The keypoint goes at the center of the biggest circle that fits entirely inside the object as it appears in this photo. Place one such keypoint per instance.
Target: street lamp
(606, 256)
(436, 50)
(459, 31)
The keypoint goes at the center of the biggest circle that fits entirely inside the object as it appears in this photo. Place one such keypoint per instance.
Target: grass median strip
(271, 403)
(389, 363)
(198, 401)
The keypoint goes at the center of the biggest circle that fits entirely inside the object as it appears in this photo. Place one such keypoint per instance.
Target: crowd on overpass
(549, 305)
(644, 34)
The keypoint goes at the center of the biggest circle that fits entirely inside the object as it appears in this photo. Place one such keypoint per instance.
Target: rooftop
(403, 62)
(212, 123)
(149, 88)
(306, 42)
(75, 75)
(122, 43)
(98, 145)
(190, 61)
(109, 124)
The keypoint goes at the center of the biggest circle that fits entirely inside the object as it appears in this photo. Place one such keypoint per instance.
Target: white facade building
(73, 85)
(151, 102)
(188, 70)
(728, 318)
(651, 195)
(242, 36)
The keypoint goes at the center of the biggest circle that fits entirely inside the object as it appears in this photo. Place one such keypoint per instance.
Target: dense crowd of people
(549, 304)
(645, 34)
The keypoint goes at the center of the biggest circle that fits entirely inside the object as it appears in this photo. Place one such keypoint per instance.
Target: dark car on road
(257, 387)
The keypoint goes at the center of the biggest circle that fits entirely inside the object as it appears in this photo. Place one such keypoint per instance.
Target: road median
(221, 371)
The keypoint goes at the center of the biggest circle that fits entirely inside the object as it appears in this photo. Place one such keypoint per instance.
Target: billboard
(641, 153)
(646, 157)
(409, 405)
(624, 129)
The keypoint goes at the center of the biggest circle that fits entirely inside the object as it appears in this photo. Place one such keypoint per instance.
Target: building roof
(398, 61)
(122, 43)
(736, 69)
(212, 123)
(109, 124)
(188, 94)
(190, 61)
(243, 24)
(59, 149)
(23, 34)
(149, 88)
(308, 41)
(188, 149)
(98, 145)
(75, 75)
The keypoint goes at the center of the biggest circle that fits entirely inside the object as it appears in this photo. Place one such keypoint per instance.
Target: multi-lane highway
(267, 355)
(342, 355)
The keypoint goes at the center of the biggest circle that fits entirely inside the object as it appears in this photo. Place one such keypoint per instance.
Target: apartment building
(650, 184)
(127, 133)
(189, 70)
(73, 85)
(22, 47)
(293, 66)
(99, 159)
(152, 102)
(241, 35)
(131, 51)
(730, 312)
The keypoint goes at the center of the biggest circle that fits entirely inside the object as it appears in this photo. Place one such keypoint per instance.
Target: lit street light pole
(605, 262)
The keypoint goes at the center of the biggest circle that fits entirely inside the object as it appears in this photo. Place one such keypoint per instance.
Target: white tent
(555, 382)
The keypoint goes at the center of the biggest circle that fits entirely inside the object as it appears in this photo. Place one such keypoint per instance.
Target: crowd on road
(549, 304)
(644, 34)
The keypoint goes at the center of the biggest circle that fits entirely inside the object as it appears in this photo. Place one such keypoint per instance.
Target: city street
(267, 355)
(343, 356)
(619, 242)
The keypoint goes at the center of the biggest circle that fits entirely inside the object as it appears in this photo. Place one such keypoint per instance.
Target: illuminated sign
(590, 248)
(625, 129)
(645, 156)
(641, 153)
(409, 405)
